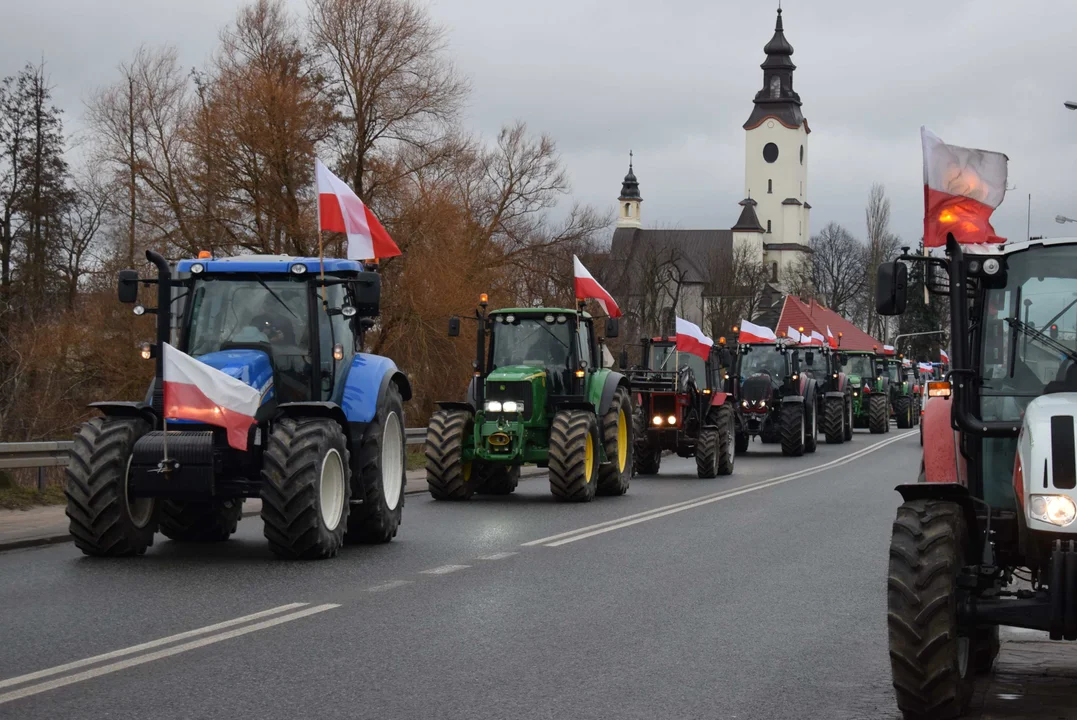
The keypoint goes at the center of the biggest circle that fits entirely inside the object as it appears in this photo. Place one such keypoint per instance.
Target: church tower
(629, 200)
(776, 158)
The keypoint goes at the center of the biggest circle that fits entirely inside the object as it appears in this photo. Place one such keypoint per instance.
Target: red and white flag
(925, 367)
(817, 338)
(831, 340)
(888, 350)
(962, 187)
(690, 339)
(195, 391)
(752, 333)
(944, 355)
(341, 210)
(793, 334)
(587, 288)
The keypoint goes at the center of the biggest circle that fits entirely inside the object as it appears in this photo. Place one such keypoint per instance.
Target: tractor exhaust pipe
(164, 324)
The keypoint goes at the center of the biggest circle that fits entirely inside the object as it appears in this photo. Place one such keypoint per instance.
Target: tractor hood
(250, 366)
(1047, 461)
(758, 387)
(516, 373)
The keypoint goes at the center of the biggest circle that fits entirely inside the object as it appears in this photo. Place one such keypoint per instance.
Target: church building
(774, 225)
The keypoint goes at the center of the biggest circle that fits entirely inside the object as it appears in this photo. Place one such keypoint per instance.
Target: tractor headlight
(744, 403)
(493, 406)
(1055, 509)
(197, 268)
(298, 269)
(657, 419)
(991, 266)
(139, 310)
(145, 350)
(510, 318)
(672, 419)
(763, 404)
(511, 406)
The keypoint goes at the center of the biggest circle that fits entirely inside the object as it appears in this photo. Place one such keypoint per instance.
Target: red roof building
(813, 316)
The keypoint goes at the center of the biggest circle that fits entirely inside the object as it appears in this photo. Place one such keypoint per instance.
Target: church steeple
(777, 99)
(629, 199)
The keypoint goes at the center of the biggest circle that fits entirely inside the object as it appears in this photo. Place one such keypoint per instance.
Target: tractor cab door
(335, 333)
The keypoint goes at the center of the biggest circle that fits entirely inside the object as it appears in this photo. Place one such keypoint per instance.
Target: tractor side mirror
(809, 358)
(127, 286)
(795, 362)
(891, 288)
(454, 326)
(725, 358)
(612, 327)
(624, 358)
(367, 291)
(843, 359)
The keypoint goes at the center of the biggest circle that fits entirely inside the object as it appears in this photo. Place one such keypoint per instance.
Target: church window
(802, 188)
(770, 186)
(774, 272)
(775, 86)
(801, 154)
(768, 225)
(628, 210)
(770, 152)
(800, 227)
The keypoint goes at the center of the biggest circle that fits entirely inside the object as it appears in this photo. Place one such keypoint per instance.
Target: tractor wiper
(1045, 339)
(551, 333)
(275, 296)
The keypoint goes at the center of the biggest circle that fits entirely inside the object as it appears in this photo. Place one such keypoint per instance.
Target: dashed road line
(388, 586)
(497, 556)
(443, 569)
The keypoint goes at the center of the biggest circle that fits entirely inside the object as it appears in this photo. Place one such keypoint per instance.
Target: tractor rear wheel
(834, 420)
(498, 479)
(726, 439)
(305, 488)
(714, 448)
(983, 648)
(648, 461)
(381, 473)
(811, 426)
(447, 475)
(617, 434)
(903, 412)
(793, 429)
(878, 414)
(707, 450)
(212, 521)
(105, 520)
(929, 650)
(573, 456)
(848, 430)
(740, 442)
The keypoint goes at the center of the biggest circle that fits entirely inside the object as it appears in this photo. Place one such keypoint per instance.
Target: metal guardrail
(22, 455)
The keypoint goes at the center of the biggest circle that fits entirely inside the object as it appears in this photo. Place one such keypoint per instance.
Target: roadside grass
(19, 497)
(416, 460)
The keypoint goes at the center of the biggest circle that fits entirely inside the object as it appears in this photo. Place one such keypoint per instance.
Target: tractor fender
(613, 381)
(328, 410)
(833, 394)
(456, 405)
(950, 492)
(127, 409)
(366, 381)
(792, 399)
(718, 399)
(943, 462)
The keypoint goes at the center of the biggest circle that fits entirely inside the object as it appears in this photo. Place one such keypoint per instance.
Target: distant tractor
(683, 405)
(325, 453)
(777, 401)
(904, 398)
(871, 390)
(539, 396)
(834, 395)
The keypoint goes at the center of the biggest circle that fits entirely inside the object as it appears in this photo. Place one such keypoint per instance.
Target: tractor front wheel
(498, 479)
(811, 426)
(447, 475)
(213, 521)
(740, 442)
(617, 435)
(381, 477)
(714, 448)
(792, 429)
(903, 412)
(105, 519)
(929, 649)
(648, 461)
(878, 414)
(834, 420)
(573, 457)
(305, 488)
(848, 431)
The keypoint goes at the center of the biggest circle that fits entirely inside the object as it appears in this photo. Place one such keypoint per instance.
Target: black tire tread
(792, 429)
(903, 412)
(878, 414)
(568, 433)
(213, 521)
(834, 420)
(726, 450)
(445, 472)
(612, 480)
(499, 480)
(372, 522)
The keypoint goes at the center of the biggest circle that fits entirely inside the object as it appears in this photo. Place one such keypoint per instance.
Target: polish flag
(690, 339)
(925, 367)
(962, 187)
(830, 339)
(341, 210)
(817, 338)
(794, 335)
(888, 350)
(944, 355)
(195, 391)
(752, 333)
(587, 288)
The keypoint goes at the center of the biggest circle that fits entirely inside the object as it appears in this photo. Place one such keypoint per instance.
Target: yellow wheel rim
(588, 458)
(466, 471)
(622, 440)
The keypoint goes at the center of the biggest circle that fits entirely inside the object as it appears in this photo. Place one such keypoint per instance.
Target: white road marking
(388, 586)
(443, 570)
(497, 556)
(146, 645)
(610, 525)
(167, 652)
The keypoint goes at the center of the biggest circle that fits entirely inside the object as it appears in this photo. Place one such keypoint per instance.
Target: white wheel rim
(392, 464)
(331, 489)
(141, 510)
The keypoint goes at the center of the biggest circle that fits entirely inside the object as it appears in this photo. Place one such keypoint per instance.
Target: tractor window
(893, 372)
(664, 357)
(584, 334)
(333, 330)
(227, 310)
(860, 365)
(763, 359)
(530, 340)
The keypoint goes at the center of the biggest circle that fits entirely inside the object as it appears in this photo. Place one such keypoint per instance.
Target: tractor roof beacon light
(204, 255)
(484, 299)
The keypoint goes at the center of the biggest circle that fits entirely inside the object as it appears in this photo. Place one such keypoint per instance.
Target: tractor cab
(766, 369)
(778, 401)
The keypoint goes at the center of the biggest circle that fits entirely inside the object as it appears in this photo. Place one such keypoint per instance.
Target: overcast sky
(674, 81)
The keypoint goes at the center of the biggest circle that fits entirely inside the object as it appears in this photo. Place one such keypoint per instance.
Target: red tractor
(683, 404)
(777, 400)
(987, 536)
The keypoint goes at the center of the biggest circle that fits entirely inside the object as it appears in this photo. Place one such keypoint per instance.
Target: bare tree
(834, 270)
(734, 288)
(882, 244)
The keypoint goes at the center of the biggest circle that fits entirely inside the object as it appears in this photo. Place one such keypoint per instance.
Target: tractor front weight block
(190, 473)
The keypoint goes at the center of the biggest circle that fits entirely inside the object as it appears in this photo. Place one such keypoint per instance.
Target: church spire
(629, 200)
(630, 186)
(777, 99)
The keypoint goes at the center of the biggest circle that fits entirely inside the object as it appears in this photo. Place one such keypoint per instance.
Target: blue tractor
(326, 451)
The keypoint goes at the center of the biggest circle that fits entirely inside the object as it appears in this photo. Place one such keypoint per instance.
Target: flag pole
(321, 252)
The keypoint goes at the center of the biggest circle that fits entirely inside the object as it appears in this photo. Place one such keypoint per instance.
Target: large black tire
(381, 473)
(848, 431)
(714, 448)
(929, 651)
(212, 521)
(878, 414)
(647, 461)
(793, 429)
(811, 426)
(448, 477)
(983, 648)
(573, 456)
(903, 412)
(707, 453)
(615, 476)
(726, 439)
(104, 521)
(299, 467)
(740, 442)
(498, 479)
(834, 420)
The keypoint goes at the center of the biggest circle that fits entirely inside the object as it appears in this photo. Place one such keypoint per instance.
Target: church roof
(812, 316)
(693, 252)
(748, 220)
(630, 186)
(777, 99)
(791, 201)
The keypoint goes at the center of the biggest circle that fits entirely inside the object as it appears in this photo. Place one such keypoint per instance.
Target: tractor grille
(1063, 457)
(518, 391)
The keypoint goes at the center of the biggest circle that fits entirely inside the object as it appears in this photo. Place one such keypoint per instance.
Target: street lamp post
(1070, 105)
(1062, 219)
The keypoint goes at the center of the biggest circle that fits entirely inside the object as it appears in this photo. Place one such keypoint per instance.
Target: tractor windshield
(664, 357)
(535, 340)
(860, 365)
(252, 309)
(760, 359)
(893, 372)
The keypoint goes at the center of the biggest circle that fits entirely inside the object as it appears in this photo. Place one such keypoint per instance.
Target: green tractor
(904, 398)
(539, 396)
(871, 392)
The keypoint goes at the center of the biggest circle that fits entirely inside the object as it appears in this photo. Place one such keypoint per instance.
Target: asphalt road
(759, 595)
